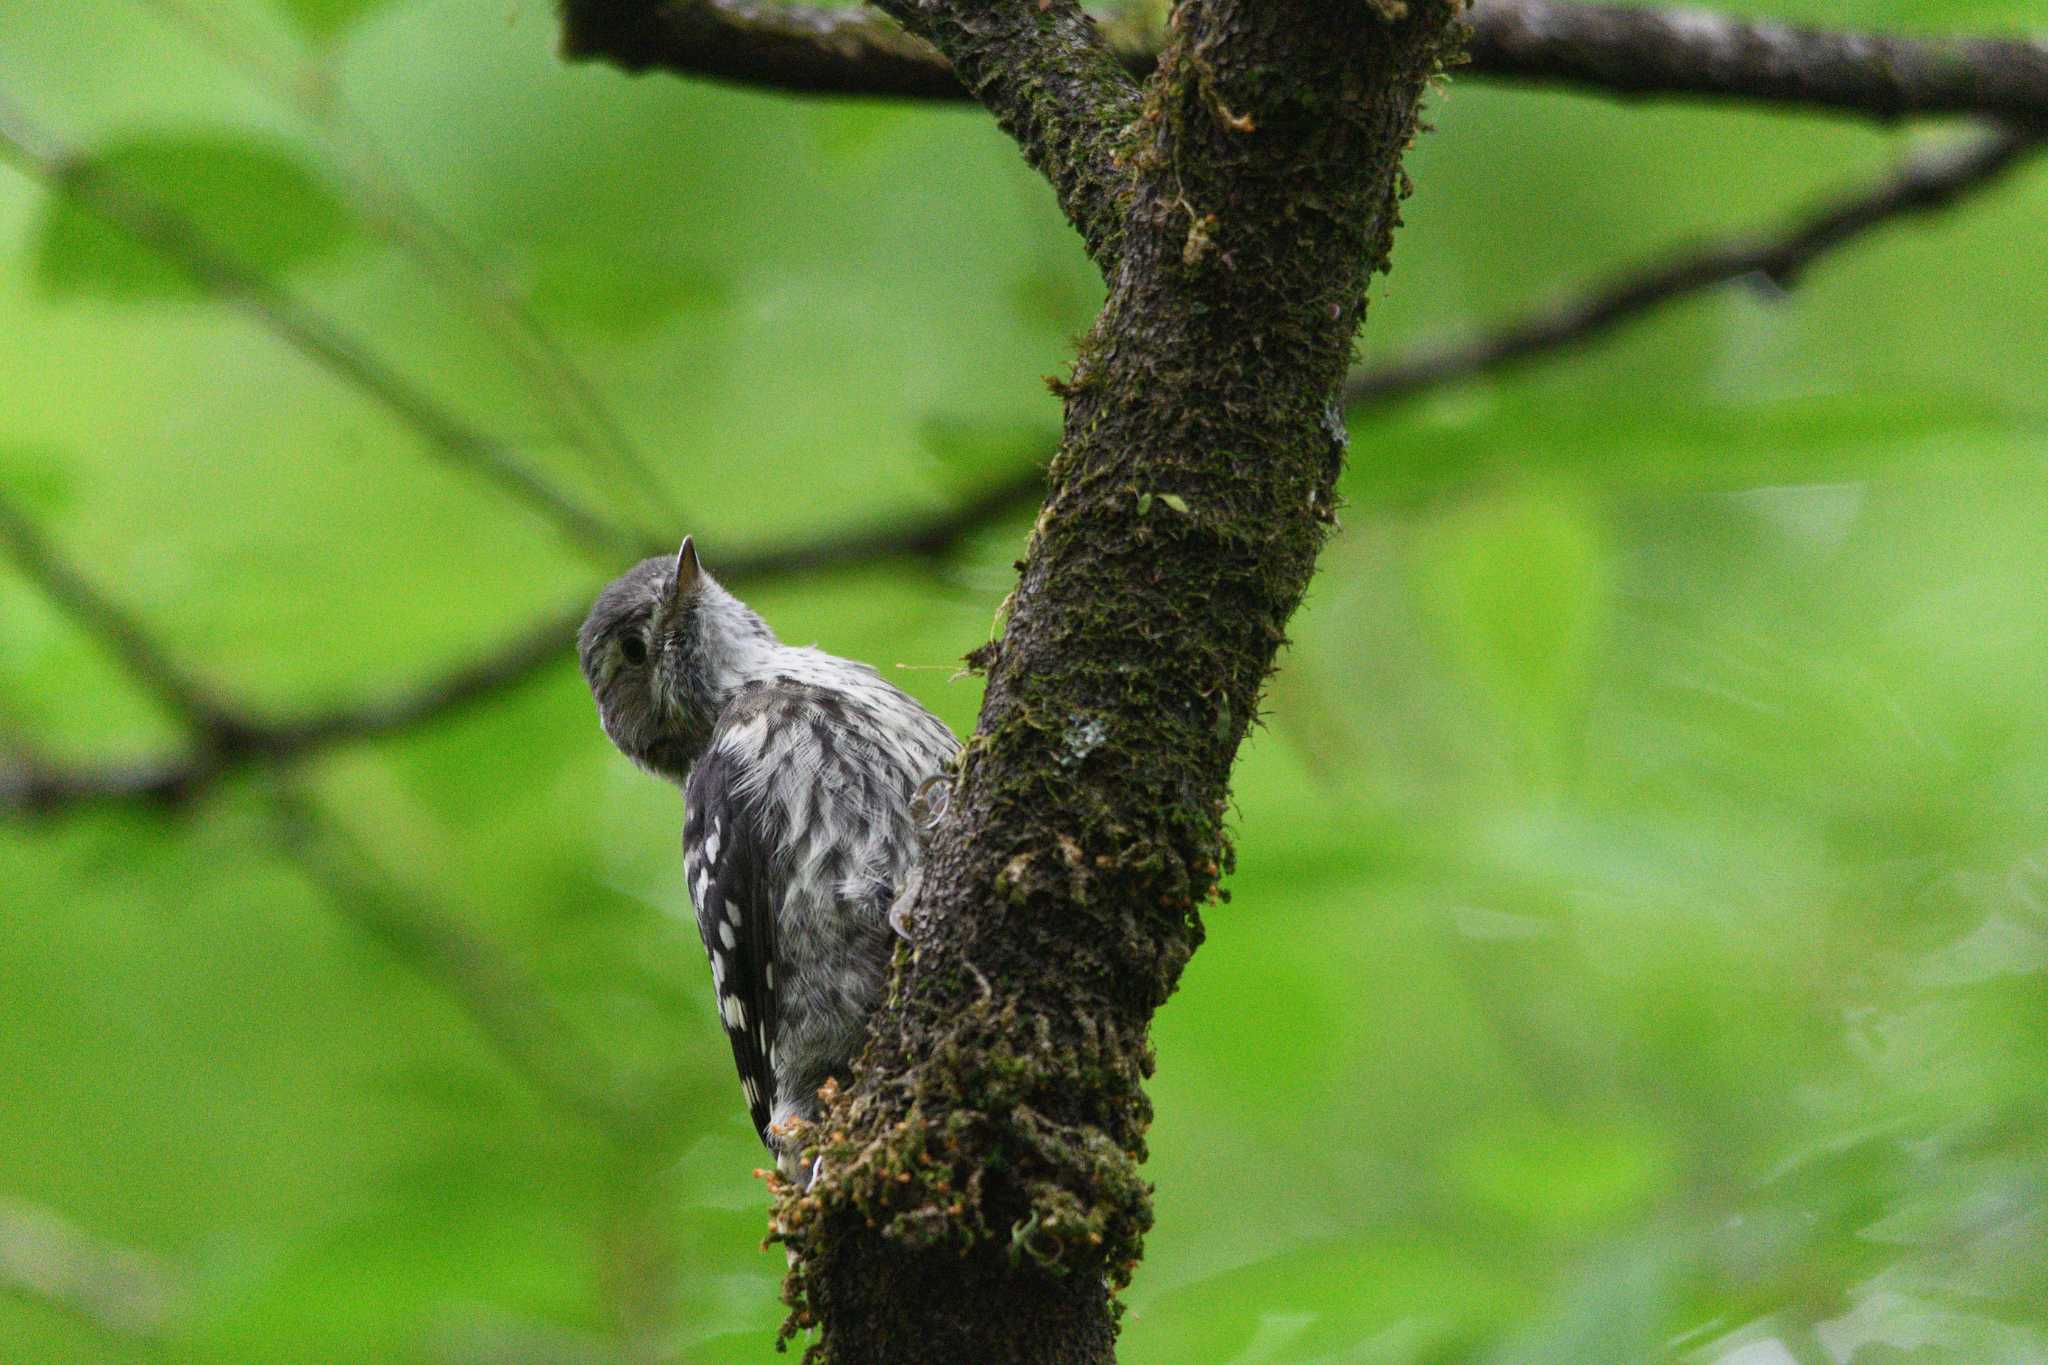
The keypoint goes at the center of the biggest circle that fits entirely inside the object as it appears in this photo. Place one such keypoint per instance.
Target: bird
(800, 772)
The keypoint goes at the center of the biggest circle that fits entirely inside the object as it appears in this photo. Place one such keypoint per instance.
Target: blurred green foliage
(1638, 942)
(254, 201)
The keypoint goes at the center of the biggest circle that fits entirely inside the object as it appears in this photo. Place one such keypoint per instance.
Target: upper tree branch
(1053, 85)
(1610, 49)
(803, 49)
(1651, 51)
(47, 1257)
(1931, 181)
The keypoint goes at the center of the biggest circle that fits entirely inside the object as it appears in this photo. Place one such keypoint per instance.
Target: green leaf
(37, 477)
(1516, 584)
(251, 200)
(1614, 1308)
(323, 19)
(623, 296)
(1349, 1298)
(851, 133)
(979, 446)
(1559, 1176)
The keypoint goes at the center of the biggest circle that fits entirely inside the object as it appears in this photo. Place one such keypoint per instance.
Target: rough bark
(982, 1199)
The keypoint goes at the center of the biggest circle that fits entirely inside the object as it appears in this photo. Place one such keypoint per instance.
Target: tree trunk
(982, 1198)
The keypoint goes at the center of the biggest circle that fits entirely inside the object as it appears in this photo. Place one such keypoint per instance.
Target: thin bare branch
(36, 787)
(33, 785)
(1631, 51)
(1934, 180)
(109, 195)
(1645, 50)
(48, 1257)
(933, 537)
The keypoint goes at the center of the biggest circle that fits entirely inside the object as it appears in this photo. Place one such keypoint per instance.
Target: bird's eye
(634, 648)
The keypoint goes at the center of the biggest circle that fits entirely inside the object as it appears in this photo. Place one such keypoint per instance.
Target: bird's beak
(687, 572)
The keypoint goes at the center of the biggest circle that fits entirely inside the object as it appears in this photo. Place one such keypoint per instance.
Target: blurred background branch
(185, 697)
(1776, 257)
(233, 737)
(47, 1257)
(236, 737)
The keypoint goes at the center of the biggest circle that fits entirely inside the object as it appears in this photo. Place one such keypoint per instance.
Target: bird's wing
(728, 848)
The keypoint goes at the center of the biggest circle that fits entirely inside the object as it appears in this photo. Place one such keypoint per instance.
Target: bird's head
(663, 649)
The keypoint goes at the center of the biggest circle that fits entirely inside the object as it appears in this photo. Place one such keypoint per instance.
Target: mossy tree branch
(1632, 51)
(981, 1197)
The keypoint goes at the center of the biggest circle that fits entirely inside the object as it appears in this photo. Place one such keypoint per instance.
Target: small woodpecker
(798, 772)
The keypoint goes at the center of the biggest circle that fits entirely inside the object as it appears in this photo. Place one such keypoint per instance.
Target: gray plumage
(798, 771)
